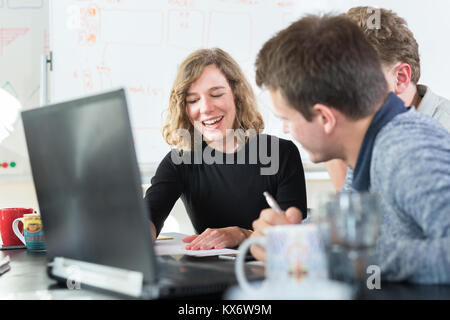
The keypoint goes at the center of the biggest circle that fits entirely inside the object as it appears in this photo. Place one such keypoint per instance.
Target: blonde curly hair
(247, 114)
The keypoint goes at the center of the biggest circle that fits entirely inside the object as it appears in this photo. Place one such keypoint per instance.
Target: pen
(227, 257)
(272, 203)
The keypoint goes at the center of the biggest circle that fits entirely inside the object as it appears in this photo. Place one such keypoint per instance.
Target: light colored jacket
(435, 106)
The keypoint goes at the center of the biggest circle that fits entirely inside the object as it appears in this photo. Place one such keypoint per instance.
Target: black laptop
(95, 220)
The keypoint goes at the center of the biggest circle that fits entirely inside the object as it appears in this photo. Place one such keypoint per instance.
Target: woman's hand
(217, 238)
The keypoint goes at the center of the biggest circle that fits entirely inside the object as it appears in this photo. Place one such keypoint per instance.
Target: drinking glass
(349, 224)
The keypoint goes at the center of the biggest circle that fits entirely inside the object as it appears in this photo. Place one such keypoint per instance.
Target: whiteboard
(104, 44)
(23, 38)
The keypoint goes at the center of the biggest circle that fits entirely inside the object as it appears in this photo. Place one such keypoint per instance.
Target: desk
(28, 279)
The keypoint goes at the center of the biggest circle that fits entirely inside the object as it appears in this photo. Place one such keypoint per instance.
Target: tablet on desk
(248, 257)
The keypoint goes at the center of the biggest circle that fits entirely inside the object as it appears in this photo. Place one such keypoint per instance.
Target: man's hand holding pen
(269, 218)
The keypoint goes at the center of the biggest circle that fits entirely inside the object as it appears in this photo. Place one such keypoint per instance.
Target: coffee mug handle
(15, 226)
(240, 260)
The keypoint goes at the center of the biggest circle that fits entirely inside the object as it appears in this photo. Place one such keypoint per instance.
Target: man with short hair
(398, 51)
(326, 84)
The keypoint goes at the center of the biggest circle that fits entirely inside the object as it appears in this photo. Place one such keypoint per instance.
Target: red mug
(7, 217)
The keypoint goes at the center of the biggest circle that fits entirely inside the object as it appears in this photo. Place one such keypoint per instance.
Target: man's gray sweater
(410, 170)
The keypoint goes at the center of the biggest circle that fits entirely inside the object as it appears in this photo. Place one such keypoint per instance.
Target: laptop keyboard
(197, 276)
(199, 271)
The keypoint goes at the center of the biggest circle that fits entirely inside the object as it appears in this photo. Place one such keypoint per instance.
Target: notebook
(88, 186)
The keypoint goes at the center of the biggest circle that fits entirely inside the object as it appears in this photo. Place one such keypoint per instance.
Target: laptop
(88, 186)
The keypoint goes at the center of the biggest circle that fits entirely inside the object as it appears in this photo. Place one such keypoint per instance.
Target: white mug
(294, 253)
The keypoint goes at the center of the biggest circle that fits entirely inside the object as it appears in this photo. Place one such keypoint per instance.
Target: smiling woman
(204, 76)
(213, 112)
(211, 108)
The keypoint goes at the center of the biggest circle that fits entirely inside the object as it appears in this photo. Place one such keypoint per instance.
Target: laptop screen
(88, 183)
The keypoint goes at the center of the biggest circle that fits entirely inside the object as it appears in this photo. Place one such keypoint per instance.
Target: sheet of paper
(171, 248)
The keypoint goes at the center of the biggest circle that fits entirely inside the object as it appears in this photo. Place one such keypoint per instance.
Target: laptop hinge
(114, 279)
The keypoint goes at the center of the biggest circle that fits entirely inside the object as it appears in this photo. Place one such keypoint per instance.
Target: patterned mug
(33, 235)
